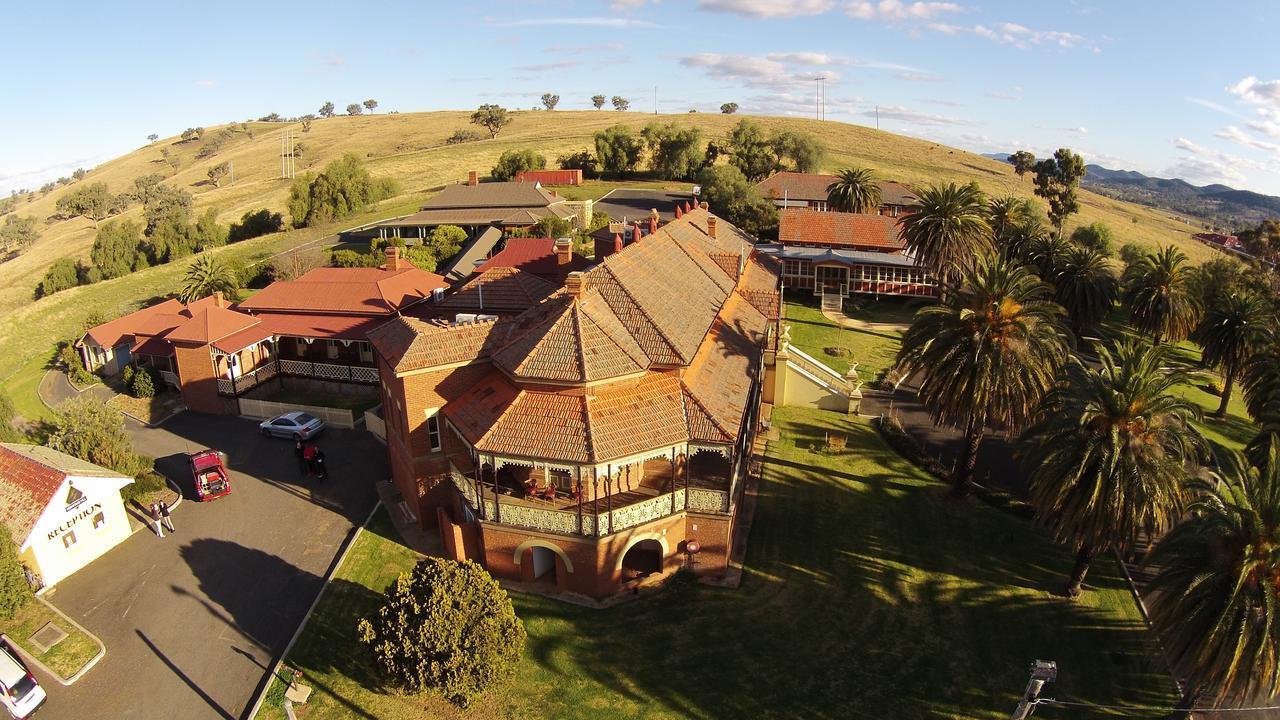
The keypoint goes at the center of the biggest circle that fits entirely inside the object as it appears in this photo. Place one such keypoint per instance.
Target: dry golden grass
(411, 147)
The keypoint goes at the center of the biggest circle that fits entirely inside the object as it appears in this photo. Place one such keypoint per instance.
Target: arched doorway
(544, 564)
(643, 558)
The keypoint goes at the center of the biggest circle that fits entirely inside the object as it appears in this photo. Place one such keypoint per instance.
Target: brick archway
(662, 542)
(538, 542)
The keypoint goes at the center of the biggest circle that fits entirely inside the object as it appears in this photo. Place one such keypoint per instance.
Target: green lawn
(873, 350)
(867, 594)
(65, 658)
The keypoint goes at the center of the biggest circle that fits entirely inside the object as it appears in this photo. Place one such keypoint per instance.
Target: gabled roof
(499, 289)
(112, 333)
(211, 324)
(356, 291)
(408, 343)
(491, 195)
(573, 340)
(853, 230)
(30, 475)
(537, 256)
(805, 187)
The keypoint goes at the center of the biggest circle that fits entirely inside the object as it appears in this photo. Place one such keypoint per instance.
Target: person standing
(298, 451)
(155, 519)
(317, 465)
(309, 458)
(165, 517)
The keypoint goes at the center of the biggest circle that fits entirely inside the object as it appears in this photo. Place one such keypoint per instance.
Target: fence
(337, 417)
(374, 423)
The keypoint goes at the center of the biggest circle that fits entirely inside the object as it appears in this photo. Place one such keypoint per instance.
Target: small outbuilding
(63, 512)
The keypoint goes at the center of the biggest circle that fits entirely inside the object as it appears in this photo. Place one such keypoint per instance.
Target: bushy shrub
(15, 593)
(343, 189)
(61, 275)
(462, 136)
(141, 385)
(1096, 236)
(514, 162)
(446, 626)
(126, 376)
(90, 429)
(1130, 252)
(353, 259)
(255, 223)
(70, 362)
(144, 485)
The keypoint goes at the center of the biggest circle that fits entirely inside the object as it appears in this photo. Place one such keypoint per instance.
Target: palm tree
(1021, 239)
(1106, 457)
(1234, 329)
(856, 191)
(1006, 215)
(949, 230)
(986, 354)
(1215, 593)
(205, 275)
(1046, 253)
(1085, 285)
(1159, 297)
(1262, 377)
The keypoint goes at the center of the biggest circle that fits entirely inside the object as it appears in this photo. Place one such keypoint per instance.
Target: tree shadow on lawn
(870, 598)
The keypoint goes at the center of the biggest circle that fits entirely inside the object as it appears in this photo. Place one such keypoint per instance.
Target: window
(99, 520)
(69, 539)
(331, 349)
(433, 430)
(366, 351)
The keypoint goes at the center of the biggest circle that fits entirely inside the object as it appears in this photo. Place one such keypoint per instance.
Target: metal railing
(820, 371)
(248, 380)
(329, 371)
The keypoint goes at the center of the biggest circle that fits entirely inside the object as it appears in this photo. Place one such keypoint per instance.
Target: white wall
(53, 559)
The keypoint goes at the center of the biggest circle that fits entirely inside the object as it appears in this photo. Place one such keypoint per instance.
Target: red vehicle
(209, 470)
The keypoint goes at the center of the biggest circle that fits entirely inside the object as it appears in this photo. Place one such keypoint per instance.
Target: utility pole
(655, 99)
(877, 117)
(817, 79)
(1042, 671)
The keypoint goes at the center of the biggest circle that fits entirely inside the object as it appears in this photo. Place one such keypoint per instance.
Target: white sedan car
(19, 692)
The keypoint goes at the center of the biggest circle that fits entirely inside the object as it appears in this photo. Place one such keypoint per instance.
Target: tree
(146, 188)
(153, 137)
(93, 201)
(514, 162)
(1261, 380)
(855, 190)
(61, 275)
(801, 152)
(949, 230)
(729, 108)
(582, 160)
(370, 104)
(1047, 254)
(141, 385)
(15, 592)
(326, 110)
(115, 249)
(597, 101)
(1023, 162)
(618, 149)
(1085, 285)
(1107, 455)
(306, 125)
(192, 134)
(255, 223)
(79, 174)
(674, 153)
(1057, 179)
(549, 101)
(1158, 295)
(1096, 236)
(17, 234)
(491, 117)
(344, 187)
(446, 241)
(750, 151)
(730, 196)
(205, 276)
(88, 428)
(446, 626)
(620, 103)
(207, 233)
(219, 171)
(987, 353)
(8, 416)
(1235, 328)
(1006, 215)
(1213, 593)
(166, 203)
(354, 109)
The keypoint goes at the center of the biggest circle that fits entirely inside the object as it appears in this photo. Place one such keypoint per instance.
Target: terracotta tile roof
(112, 333)
(243, 339)
(835, 229)
(210, 324)
(813, 186)
(630, 417)
(537, 256)
(573, 341)
(409, 343)
(362, 291)
(703, 427)
(720, 377)
(502, 289)
(338, 327)
(157, 346)
(491, 194)
(29, 477)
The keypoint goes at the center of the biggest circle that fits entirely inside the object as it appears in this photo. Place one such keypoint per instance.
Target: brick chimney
(711, 226)
(679, 212)
(617, 242)
(705, 206)
(564, 251)
(473, 178)
(653, 221)
(393, 257)
(218, 299)
(574, 284)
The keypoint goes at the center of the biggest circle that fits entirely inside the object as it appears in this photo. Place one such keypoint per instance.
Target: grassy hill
(411, 147)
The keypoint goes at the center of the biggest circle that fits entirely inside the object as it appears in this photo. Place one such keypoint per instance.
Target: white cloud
(206, 83)
(907, 115)
(805, 58)
(797, 105)
(545, 67)
(773, 71)
(602, 22)
(917, 77)
(1079, 130)
(1013, 93)
(768, 8)
(1208, 165)
(1258, 92)
(625, 5)
(898, 11)
(1240, 137)
(1211, 105)
(1019, 36)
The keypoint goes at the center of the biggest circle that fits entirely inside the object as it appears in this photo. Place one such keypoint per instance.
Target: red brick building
(809, 190)
(603, 433)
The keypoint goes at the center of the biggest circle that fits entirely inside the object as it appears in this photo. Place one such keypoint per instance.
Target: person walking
(298, 450)
(165, 517)
(317, 465)
(155, 518)
(308, 458)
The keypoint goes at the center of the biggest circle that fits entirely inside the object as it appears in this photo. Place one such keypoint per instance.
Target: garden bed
(67, 657)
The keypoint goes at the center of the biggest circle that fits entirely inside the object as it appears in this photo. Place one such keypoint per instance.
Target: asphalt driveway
(192, 621)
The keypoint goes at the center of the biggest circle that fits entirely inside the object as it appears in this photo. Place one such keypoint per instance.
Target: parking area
(192, 621)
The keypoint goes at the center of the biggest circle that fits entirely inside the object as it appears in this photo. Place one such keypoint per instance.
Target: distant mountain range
(1217, 205)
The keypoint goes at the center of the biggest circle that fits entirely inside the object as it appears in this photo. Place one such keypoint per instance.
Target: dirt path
(845, 321)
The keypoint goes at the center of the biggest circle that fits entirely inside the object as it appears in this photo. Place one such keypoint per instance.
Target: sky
(1175, 89)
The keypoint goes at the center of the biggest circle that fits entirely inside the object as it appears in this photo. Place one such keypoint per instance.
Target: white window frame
(434, 437)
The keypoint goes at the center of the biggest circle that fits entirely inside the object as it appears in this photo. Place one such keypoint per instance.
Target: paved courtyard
(192, 621)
